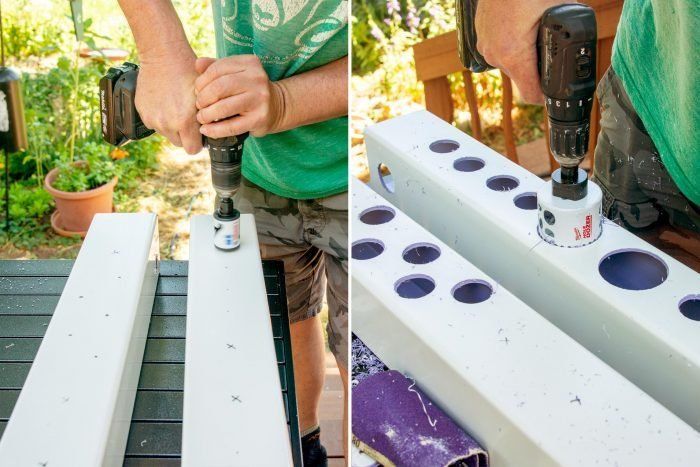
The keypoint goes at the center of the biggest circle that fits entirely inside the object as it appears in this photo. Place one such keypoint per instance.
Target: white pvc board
(526, 391)
(640, 333)
(233, 408)
(76, 404)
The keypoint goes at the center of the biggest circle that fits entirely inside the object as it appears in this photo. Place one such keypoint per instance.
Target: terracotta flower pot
(75, 210)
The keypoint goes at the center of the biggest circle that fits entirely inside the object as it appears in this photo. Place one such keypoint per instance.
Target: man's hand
(234, 96)
(165, 96)
(506, 33)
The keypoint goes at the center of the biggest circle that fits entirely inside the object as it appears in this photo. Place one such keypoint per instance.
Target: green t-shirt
(290, 37)
(657, 55)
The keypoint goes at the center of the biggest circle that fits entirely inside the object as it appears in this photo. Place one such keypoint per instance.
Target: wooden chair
(437, 58)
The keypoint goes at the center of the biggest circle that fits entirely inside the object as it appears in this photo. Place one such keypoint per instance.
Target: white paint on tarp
(4, 113)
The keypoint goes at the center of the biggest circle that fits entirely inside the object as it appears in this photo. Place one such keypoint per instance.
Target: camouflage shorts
(638, 191)
(311, 237)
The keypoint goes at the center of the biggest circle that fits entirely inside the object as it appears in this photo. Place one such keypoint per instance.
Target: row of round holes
(415, 285)
(650, 271)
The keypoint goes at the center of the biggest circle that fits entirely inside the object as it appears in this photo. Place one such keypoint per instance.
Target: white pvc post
(233, 408)
(525, 390)
(75, 407)
(477, 201)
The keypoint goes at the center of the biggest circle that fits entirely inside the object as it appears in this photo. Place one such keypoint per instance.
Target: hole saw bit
(122, 123)
(566, 52)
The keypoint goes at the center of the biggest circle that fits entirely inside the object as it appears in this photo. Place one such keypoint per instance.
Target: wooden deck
(331, 414)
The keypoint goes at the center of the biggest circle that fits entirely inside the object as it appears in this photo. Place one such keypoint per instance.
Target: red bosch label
(587, 228)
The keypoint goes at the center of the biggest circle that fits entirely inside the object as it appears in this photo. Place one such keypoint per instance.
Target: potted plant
(82, 189)
(85, 187)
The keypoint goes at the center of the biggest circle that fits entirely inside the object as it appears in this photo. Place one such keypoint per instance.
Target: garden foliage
(384, 81)
(61, 100)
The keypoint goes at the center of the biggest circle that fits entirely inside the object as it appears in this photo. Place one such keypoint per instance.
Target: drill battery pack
(121, 122)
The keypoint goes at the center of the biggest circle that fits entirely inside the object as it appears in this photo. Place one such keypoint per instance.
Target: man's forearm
(315, 96)
(155, 25)
(165, 96)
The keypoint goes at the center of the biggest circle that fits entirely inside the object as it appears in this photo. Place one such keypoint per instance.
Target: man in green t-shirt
(282, 76)
(647, 160)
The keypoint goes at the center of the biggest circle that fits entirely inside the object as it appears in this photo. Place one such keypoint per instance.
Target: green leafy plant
(94, 171)
(29, 206)
(388, 26)
(83, 34)
(29, 202)
(30, 32)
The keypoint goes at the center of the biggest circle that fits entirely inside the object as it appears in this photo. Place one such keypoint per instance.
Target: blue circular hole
(472, 291)
(468, 164)
(633, 269)
(526, 201)
(443, 146)
(367, 249)
(690, 307)
(377, 215)
(386, 178)
(421, 253)
(415, 286)
(502, 183)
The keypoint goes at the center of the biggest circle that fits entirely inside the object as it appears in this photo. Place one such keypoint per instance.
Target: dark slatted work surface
(29, 292)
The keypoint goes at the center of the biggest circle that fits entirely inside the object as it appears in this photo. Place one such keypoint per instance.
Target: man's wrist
(278, 107)
(164, 50)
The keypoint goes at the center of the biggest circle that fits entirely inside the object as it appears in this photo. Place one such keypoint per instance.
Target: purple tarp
(396, 423)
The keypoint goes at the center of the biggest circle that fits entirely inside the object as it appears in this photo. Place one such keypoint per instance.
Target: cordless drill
(566, 46)
(121, 123)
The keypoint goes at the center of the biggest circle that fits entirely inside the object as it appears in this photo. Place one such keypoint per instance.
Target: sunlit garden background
(61, 105)
(63, 125)
(384, 83)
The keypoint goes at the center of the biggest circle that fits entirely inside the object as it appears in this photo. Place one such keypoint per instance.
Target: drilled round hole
(633, 269)
(377, 215)
(443, 146)
(526, 201)
(502, 183)
(385, 177)
(421, 253)
(690, 307)
(415, 286)
(472, 291)
(367, 249)
(468, 164)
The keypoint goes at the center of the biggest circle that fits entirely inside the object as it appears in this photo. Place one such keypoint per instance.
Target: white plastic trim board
(75, 408)
(640, 333)
(528, 392)
(233, 408)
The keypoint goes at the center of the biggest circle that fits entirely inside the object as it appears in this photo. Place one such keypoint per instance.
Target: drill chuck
(569, 141)
(226, 156)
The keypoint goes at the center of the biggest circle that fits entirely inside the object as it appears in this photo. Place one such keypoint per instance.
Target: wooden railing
(437, 58)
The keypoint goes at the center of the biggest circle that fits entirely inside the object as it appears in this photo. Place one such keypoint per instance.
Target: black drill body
(566, 45)
(566, 50)
(121, 123)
